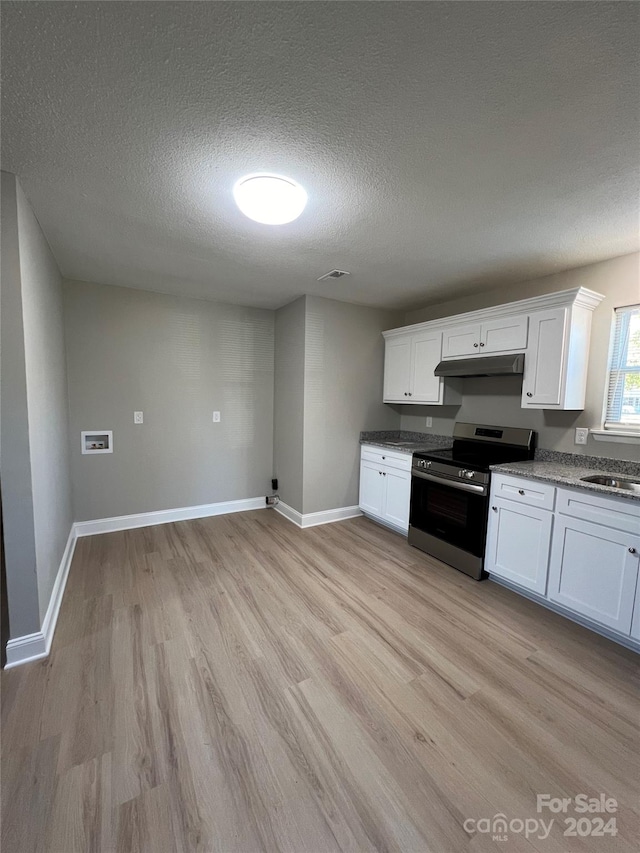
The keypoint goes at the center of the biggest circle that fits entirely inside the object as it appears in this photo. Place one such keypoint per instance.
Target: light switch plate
(138, 418)
(582, 435)
(216, 417)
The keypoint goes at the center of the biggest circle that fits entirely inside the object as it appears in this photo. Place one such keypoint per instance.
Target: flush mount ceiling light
(270, 199)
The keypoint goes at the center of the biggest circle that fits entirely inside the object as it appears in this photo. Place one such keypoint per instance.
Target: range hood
(491, 365)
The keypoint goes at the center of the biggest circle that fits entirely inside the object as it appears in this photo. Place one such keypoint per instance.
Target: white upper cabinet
(552, 331)
(409, 363)
(509, 334)
(556, 360)
(426, 387)
(397, 369)
(506, 334)
(460, 342)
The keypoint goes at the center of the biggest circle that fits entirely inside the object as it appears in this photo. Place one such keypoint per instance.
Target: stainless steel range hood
(491, 365)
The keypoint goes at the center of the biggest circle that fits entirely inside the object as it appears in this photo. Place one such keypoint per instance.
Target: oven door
(448, 519)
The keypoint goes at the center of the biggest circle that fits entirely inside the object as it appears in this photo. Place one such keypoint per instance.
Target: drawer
(381, 456)
(617, 513)
(528, 492)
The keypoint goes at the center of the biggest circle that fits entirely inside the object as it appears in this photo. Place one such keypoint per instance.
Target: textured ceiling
(444, 146)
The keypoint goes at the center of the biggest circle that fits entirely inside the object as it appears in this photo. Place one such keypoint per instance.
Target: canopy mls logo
(499, 827)
(598, 824)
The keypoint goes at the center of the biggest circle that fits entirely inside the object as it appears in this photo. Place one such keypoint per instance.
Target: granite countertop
(404, 441)
(569, 469)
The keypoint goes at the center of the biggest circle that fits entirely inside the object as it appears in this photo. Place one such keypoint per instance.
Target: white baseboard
(32, 647)
(37, 646)
(312, 519)
(165, 516)
(628, 642)
(26, 649)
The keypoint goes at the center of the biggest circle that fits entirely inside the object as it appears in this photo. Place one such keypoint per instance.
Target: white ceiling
(444, 146)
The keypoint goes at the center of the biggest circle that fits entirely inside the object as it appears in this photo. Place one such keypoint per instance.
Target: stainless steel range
(450, 492)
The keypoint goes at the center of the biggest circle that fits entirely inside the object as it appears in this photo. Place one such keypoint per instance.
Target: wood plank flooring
(237, 684)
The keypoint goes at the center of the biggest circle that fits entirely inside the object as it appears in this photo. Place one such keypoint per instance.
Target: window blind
(622, 409)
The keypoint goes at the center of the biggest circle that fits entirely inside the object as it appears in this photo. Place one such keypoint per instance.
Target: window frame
(620, 427)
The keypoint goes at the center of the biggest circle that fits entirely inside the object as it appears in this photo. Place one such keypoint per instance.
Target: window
(622, 407)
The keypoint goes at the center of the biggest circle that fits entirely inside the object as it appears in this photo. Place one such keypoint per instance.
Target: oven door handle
(454, 484)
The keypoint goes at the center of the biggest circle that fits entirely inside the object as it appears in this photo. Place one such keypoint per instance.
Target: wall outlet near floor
(216, 417)
(582, 435)
(429, 422)
(138, 418)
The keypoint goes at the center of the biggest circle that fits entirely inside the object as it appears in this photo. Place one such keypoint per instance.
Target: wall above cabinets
(552, 331)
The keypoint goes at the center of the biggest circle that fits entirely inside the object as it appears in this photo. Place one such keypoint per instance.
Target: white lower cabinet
(584, 556)
(518, 543)
(594, 571)
(371, 488)
(385, 486)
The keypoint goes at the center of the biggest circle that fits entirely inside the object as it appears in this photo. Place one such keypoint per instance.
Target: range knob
(422, 463)
(468, 474)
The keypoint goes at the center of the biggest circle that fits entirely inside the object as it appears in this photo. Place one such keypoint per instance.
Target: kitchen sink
(613, 482)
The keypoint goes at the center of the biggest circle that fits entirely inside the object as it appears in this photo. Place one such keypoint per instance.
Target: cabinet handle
(380, 472)
(494, 508)
(632, 550)
(481, 344)
(384, 457)
(384, 473)
(529, 394)
(475, 345)
(409, 393)
(520, 491)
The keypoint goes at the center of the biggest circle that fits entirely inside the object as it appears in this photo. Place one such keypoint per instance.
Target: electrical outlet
(216, 417)
(582, 436)
(429, 422)
(138, 418)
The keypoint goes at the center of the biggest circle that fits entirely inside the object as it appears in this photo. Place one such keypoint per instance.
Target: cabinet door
(508, 334)
(518, 543)
(594, 570)
(397, 369)
(427, 349)
(464, 340)
(372, 488)
(545, 359)
(397, 497)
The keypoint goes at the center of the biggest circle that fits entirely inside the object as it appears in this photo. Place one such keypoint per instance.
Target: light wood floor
(238, 684)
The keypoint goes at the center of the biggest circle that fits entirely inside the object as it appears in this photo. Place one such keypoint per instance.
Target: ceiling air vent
(333, 274)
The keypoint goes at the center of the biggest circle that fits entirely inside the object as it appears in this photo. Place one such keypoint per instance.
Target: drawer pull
(494, 508)
(529, 394)
(632, 550)
(475, 345)
(520, 491)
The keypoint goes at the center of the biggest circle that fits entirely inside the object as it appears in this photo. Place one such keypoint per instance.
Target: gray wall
(289, 402)
(497, 399)
(176, 360)
(36, 490)
(17, 495)
(344, 360)
(46, 399)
